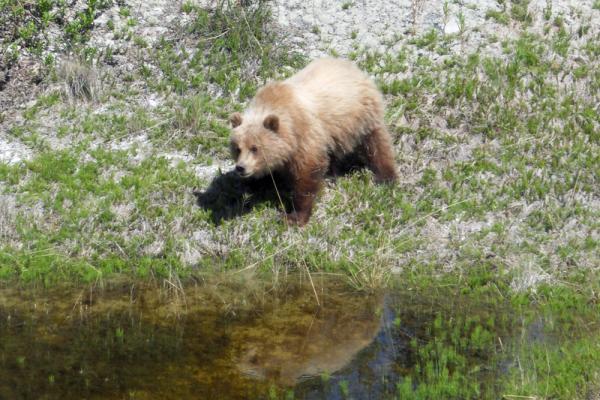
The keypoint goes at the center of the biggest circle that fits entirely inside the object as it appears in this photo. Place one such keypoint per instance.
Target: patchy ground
(113, 113)
(342, 27)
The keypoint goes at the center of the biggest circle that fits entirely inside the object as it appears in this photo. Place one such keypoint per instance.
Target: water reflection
(252, 339)
(129, 342)
(300, 339)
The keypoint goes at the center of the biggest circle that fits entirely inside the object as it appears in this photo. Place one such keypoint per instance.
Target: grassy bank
(498, 154)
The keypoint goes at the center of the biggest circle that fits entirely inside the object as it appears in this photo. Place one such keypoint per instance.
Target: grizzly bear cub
(327, 111)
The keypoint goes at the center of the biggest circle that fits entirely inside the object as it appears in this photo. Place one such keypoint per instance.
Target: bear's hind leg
(380, 155)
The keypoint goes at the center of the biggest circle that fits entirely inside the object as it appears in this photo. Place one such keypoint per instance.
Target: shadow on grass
(229, 195)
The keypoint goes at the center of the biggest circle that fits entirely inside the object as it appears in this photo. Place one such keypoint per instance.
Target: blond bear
(298, 126)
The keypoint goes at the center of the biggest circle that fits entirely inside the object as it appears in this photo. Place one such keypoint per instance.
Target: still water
(228, 340)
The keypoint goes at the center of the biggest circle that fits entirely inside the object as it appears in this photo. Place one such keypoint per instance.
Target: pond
(295, 338)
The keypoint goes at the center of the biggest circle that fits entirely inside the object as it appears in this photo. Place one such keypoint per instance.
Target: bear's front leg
(306, 188)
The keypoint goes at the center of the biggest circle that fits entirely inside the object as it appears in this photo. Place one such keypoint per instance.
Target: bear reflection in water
(299, 341)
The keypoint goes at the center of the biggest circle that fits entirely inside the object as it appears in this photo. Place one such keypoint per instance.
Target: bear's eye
(254, 149)
(235, 150)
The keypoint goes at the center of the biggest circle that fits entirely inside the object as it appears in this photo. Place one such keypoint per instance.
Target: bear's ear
(235, 119)
(271, 122)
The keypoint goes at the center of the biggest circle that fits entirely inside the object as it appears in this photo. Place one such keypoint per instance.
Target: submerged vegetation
(488, 341)
(421, 339)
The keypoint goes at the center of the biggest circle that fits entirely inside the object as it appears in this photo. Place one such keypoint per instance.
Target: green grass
(498, 16)
(83, 197)
(485, 341)
(519, 11)
(241, 37)
(27, 23)
(498, 157)
(561, 364)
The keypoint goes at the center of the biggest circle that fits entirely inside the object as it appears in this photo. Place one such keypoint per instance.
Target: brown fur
(327, 110)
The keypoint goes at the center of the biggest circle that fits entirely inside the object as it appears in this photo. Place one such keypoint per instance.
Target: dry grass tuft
(81, 80)
(8, 216)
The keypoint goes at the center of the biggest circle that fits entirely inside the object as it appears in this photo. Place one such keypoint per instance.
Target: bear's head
(259, 144)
